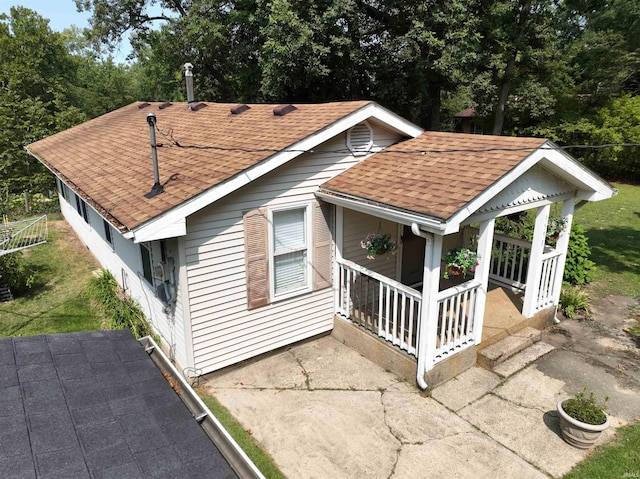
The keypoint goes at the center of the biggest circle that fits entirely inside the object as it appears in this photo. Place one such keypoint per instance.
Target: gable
(537, 184)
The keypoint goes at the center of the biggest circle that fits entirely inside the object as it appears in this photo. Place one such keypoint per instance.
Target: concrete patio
(322, 410)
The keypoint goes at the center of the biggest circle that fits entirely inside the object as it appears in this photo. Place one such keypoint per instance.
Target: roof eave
(172, 223)
(380, 210)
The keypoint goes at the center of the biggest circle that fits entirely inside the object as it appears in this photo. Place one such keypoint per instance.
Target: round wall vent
(360, 139)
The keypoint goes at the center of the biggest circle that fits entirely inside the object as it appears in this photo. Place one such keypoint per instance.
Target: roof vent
(157, 188)
(237, 109)
(360, 139)
(164, 105)
(143, 105)
(197, 106)
(282, 110)
(188, 77)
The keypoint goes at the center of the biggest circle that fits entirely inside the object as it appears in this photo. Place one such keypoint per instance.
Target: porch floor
(502, 315)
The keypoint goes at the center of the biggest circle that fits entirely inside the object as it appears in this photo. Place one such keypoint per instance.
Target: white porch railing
(509, 261)
(456, 319)
(383, 306)
(547, 286)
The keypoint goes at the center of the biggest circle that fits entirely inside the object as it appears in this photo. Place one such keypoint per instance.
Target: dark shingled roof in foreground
(94, 405)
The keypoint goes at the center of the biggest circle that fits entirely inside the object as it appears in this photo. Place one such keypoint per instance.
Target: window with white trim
(290, 251)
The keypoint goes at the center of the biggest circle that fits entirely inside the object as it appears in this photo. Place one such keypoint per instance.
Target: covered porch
(392, 310)
(451, 195)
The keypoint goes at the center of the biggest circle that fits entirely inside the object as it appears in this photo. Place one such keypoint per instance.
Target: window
(290, 250)
(81, 206)
(287, 251)
(62, 189)
(145, 252)
(107, 232)
(78, 205)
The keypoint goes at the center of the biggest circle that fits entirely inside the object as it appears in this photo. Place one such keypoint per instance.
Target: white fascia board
(590, 186)
(431, 225)
(156, 231)
(173, 216)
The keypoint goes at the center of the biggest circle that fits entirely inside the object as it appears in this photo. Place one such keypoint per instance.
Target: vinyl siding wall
(123, 260)
(356, 226)
(224, 331)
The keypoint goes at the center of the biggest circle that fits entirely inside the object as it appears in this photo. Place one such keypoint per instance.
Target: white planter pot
(577, 433)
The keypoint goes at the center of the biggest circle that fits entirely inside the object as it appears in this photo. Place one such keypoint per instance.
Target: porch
(391, 310)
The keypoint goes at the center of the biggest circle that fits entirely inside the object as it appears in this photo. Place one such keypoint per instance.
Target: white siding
(224, 332)
(356, 227)
(124, 262)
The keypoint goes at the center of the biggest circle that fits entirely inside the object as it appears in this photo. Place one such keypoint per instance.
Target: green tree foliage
(35, 74)
(48, 82)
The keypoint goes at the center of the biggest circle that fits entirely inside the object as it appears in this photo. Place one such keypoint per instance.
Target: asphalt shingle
(435, 174)
(116, 184)
(87, 416)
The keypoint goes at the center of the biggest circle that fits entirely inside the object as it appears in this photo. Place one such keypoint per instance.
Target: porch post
(339, 232)
(485, 245)
(563, 245)
(428, 315)
(535, 262)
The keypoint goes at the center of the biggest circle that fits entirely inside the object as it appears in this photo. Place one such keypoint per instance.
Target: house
(244, 235)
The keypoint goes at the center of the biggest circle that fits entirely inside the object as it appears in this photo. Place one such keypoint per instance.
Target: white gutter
(421, 349)
(235, 456)
(380, 211)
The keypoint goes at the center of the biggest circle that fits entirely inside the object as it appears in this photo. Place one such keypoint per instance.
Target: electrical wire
(174, 142)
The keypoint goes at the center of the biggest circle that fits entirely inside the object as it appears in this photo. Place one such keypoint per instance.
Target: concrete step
(489, 357)
(523, 359)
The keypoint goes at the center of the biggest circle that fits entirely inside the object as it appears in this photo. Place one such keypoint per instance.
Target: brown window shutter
(256, 257)
(323, 219)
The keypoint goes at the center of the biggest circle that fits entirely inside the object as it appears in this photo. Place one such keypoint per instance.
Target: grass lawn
(618, 459)
(613, 229)
(55, 303)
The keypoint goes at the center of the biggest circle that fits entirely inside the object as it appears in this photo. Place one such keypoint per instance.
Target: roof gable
(203, 155)
(447, 177)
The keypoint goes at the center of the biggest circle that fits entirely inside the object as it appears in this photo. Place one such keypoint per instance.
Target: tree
(36, 72)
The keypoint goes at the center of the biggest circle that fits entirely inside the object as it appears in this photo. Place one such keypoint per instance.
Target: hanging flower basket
(556, 225)
(459, 261)
(378, 244)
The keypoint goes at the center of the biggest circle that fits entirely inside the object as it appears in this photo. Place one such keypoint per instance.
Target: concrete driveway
(323, 411)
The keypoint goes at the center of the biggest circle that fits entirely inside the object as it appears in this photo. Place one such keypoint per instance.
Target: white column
(535, 261)
(429, 314)
(485, 244)
(563, 245)
(338, 240)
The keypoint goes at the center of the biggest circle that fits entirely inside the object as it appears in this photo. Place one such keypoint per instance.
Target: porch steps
(491, 356)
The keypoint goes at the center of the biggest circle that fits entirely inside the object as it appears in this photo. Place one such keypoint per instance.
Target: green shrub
(585, 408)
(572, 300)
(578, 269)
(17, 274)
(118, 308)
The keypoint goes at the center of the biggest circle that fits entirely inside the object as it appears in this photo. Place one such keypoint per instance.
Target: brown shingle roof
(436, 184)
(108, 160)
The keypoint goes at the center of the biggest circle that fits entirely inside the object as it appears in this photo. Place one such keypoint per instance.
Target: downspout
(422, 346)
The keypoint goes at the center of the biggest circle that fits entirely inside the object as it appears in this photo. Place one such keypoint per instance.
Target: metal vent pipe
(188, 77)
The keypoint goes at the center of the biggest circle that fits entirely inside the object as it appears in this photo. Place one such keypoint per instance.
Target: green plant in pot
(582, 419)
(378, 244)
(459, 261)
